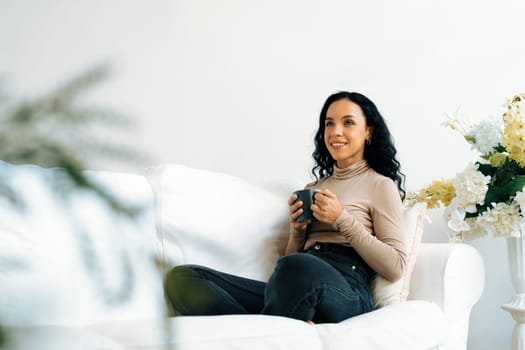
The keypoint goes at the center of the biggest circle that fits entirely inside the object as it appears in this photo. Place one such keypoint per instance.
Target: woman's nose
(337, 130)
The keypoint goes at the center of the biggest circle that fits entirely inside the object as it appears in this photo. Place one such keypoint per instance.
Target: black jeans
(325, 283)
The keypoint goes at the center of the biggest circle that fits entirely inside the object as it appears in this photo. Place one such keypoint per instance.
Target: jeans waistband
(331, 247)
(347, 252)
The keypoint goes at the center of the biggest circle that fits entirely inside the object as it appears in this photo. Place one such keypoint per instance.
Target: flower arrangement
(488, 196)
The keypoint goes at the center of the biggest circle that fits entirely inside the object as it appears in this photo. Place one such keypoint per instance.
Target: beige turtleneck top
(371, 221)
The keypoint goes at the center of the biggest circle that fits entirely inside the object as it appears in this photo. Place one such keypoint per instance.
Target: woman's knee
(178, 275)
(298, 263)
(178, 285)
(297, 269)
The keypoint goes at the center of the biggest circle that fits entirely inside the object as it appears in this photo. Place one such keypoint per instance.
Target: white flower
(474, 231)
(486, 135)
(455, 122)
(456, 219)
(471, 187)
(520, 200)
(501, 220)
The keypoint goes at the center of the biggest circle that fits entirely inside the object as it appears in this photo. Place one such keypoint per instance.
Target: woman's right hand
(295, 212)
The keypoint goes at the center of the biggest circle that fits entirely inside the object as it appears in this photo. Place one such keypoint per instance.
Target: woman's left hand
(326, 207)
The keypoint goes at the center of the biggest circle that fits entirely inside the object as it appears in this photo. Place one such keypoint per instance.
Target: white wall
(237, 85)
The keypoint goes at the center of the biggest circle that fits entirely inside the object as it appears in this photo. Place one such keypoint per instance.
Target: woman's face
(346, 132)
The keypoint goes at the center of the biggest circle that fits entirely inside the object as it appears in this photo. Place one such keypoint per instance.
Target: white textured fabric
(253, 332)
(218, 220)
(76, 263)
(385, 292)
(413, 325)
(57, 338)
(461, 282)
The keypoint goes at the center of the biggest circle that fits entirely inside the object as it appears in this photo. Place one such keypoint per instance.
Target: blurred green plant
(56, 131)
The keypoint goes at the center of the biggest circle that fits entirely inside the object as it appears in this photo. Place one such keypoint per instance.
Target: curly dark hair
(380, 153)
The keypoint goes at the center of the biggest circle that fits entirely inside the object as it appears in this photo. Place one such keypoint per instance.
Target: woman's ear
(370, 132)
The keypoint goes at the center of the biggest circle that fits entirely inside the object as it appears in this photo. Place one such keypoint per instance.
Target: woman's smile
(338, 145)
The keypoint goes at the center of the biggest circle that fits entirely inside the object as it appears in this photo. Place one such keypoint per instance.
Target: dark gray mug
(307, 197)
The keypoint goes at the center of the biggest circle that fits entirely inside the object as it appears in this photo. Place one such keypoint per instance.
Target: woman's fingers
(295, 212)
(324, 194)
(326, 207)
(295, 208)
(292, 200)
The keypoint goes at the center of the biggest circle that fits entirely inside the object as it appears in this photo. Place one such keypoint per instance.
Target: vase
(516, 306)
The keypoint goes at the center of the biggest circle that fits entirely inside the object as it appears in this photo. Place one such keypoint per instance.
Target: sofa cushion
(385, 292)
(218, 220)
(225, 332)
(75, 262)
(411, 325)
(57, 338)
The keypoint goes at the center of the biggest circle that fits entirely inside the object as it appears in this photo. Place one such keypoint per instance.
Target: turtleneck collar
(351, 171)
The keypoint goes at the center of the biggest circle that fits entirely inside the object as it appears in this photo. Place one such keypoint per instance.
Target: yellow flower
(438, 193)
(497, 159)
(514, 129)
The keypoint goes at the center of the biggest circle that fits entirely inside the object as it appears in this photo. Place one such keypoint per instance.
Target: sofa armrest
(451, 275)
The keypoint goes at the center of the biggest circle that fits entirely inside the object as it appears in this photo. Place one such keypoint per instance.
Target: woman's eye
(328, 124)
(349, 122)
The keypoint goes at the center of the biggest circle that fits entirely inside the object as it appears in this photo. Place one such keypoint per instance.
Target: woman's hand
(326, 207)
(295, 212)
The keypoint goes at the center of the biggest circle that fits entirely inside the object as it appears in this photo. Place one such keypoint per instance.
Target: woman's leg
(198, 290)
(306, 287)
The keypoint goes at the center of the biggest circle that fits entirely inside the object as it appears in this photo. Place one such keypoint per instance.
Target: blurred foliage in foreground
(56, 131)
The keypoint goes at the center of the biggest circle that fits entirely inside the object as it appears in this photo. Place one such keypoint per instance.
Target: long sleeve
(384, 250)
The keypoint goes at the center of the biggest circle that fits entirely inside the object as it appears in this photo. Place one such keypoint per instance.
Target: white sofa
(100, 286)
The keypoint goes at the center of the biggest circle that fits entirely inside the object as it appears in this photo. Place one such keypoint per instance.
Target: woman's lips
(338, 145)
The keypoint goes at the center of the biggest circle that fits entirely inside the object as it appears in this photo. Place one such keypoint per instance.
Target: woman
(326, 272)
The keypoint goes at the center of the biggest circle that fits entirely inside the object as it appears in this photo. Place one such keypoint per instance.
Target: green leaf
(2, 337)
(515, 185)
(486, 169)
(496, 194)
(499, 148)
(22, 115)
(505, 173)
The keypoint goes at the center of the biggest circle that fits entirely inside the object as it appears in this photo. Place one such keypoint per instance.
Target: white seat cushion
(409, 325)
(56, 338)
(254, 332)
(412, 325)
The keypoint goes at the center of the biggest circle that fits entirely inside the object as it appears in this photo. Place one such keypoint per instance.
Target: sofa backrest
(239, 227)
(75, 262)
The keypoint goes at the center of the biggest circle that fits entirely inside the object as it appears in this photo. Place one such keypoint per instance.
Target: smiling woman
(329, 264)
